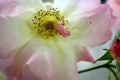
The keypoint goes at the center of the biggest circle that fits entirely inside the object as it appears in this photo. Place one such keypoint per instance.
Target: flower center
(50, 23)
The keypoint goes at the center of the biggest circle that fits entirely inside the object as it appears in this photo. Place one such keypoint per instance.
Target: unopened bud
(115, 50)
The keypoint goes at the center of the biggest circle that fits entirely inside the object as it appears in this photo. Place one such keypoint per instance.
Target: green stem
(97, 67)
(90, 69)
(114, 73)
(106, 65)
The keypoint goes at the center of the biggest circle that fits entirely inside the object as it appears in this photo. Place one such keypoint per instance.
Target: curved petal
(86, 5)
(14, 34)
(94, 28)
(68, 7)
(115, 5)
(32, 5)
(16, 7)
(17, 68)
(54, 64)
(42, 64)
(83, 54)
(28, 75)
(9, 7)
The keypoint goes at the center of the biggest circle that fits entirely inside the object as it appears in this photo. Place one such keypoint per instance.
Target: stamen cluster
(45, 22)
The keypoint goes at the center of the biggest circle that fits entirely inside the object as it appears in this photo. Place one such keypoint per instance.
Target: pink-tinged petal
(42, 62)
(94, 28)
(17, 69)
(16, 7)
(14, 34)
(8, 7)
(67, 7)
(57, 64)
(62, 31)
(115, 5)
(83, 54)
(86, 5)
(28, 75)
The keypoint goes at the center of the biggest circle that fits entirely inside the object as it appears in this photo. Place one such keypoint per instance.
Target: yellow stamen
(45, 22)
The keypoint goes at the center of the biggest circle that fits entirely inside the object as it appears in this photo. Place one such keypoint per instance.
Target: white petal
(65, 6)
(48, 5)
(33, 5)
(61, 4)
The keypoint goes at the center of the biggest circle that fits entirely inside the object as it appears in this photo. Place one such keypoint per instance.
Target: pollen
(45, 23)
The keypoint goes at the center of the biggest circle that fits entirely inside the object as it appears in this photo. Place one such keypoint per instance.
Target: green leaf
(118, 68)
(106, 56)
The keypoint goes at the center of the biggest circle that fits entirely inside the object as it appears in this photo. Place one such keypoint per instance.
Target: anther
(45, 23)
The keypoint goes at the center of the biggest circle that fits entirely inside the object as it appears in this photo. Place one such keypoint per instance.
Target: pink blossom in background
(40, 42)
(115, 5)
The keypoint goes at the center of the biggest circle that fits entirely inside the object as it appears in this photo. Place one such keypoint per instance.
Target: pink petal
(86, 5)
(93, 29)
(83, 54)
(49, 64)
(12, 38)
(115, 5)
(37, 61)
(9, 7)
(64, 32)
(16, 7)
(17, 68)
(42, 64)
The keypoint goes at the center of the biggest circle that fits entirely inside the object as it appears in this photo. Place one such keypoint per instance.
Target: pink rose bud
(115, 50)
